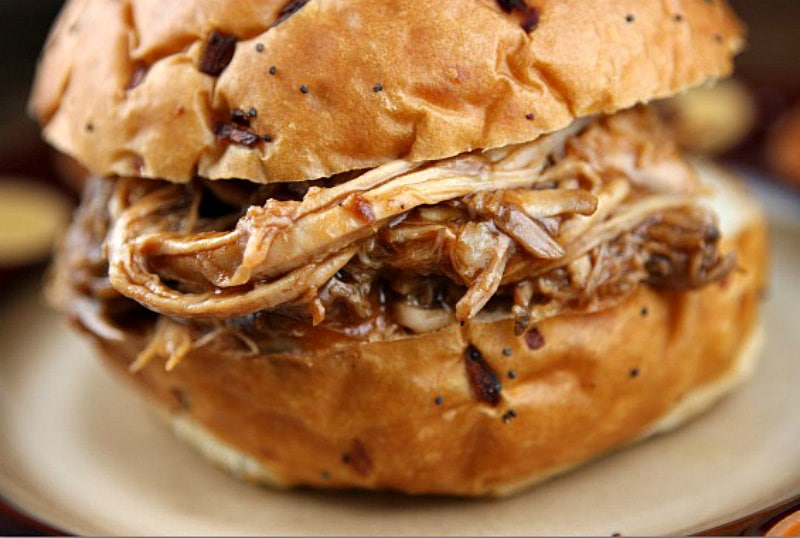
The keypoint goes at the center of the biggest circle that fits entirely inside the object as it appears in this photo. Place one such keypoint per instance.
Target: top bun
(278, 90)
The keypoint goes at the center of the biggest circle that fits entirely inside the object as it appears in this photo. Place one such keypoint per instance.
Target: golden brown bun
(783, 147)
(119, 86)
(340, 413)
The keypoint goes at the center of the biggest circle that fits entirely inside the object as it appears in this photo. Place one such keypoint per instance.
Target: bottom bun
(401, 414)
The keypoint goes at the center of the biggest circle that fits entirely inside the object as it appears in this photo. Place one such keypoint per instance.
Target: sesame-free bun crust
(119, 86)
(340, 413)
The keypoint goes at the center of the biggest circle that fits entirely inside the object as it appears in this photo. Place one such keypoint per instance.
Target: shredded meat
(572, 222)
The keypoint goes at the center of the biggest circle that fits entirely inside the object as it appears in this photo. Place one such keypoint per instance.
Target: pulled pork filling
(572, 222)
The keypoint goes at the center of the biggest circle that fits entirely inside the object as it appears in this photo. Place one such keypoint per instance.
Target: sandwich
(411, 245)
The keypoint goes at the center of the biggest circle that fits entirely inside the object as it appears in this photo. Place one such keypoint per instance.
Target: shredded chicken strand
(485, 285)
(169, 340)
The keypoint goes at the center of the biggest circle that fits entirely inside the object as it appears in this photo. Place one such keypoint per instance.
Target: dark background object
(770, 67)
(772, 57)
(23, 27)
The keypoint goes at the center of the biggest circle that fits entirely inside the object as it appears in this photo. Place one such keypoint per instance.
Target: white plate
(80, 452)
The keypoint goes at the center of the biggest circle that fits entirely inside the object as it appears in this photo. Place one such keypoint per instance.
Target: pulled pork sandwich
(419, 245)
